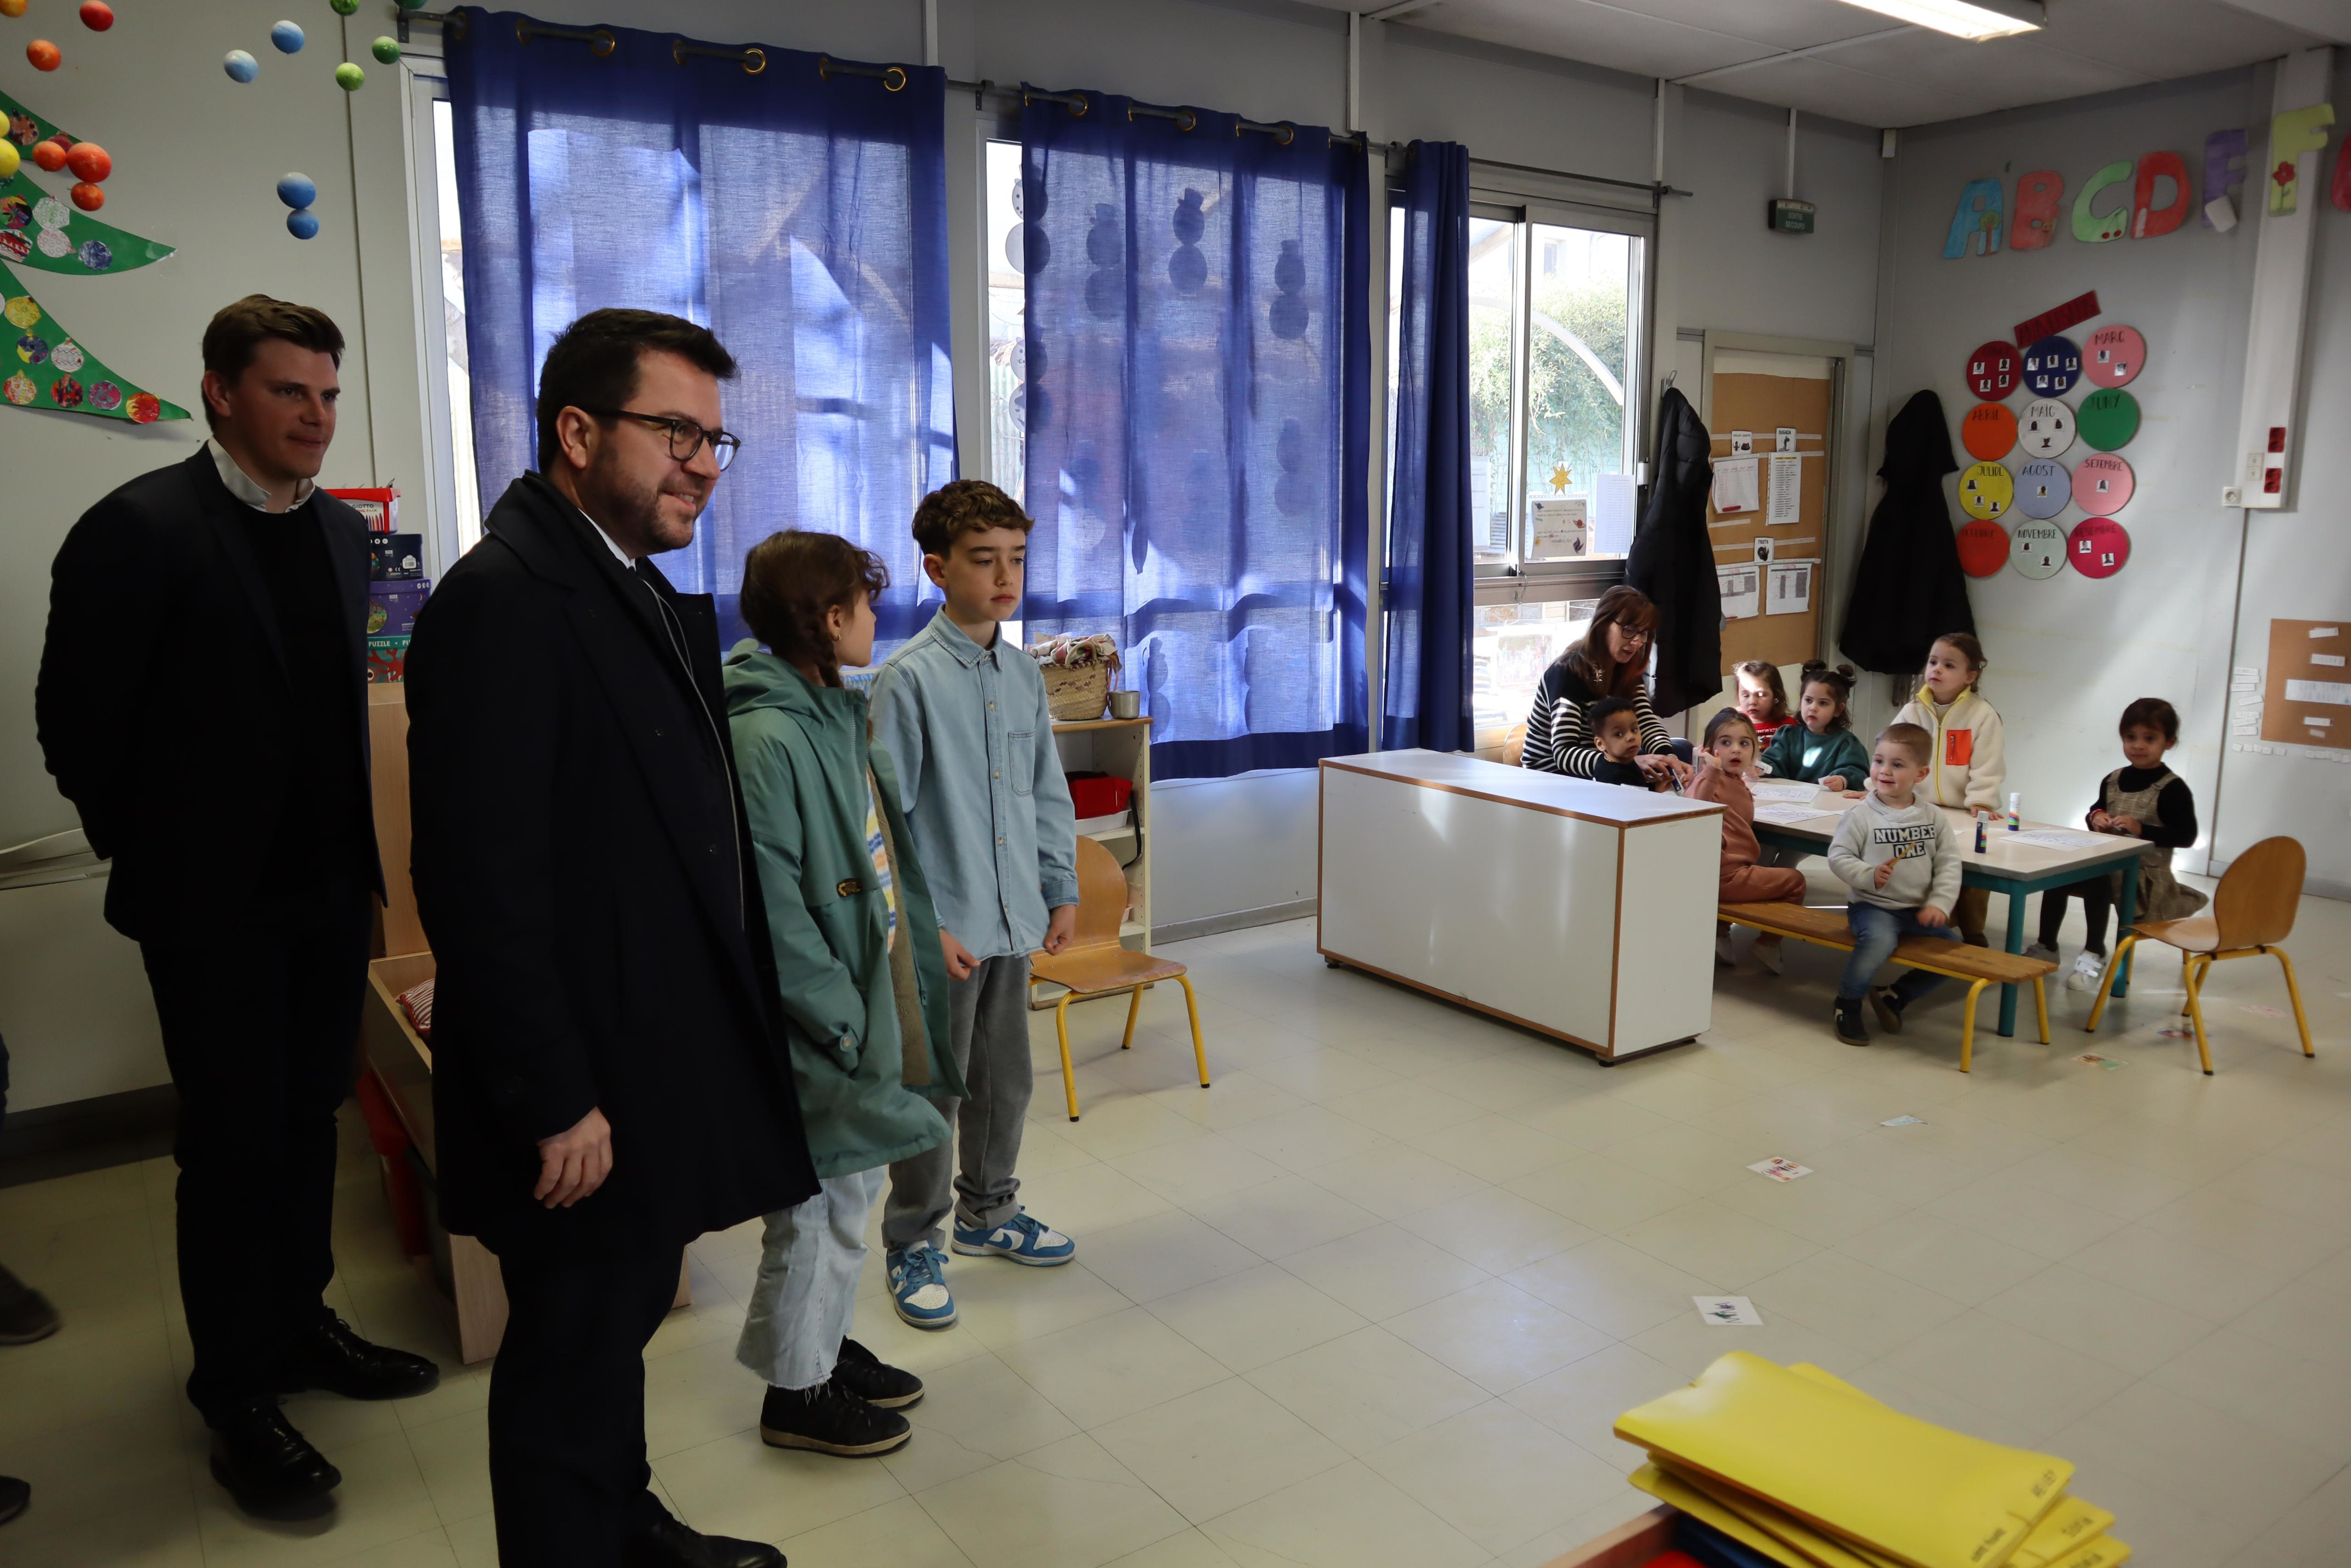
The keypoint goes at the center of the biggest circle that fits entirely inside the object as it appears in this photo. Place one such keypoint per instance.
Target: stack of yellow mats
(1812, 1473)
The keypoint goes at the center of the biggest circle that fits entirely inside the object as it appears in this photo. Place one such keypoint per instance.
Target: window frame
(422, 85)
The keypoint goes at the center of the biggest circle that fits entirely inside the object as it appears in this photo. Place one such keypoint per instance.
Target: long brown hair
(1766, 673)
(791, 580)
(1590, 661)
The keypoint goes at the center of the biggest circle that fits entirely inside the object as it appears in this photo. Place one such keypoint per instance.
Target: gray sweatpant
(972, 1173)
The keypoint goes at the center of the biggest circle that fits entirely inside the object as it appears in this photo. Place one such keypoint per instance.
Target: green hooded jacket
(867, 1022)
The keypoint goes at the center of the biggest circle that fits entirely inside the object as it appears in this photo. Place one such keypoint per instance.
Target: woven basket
(1076, 692)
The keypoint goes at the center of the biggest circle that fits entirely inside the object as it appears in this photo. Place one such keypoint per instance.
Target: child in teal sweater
(1821, 748)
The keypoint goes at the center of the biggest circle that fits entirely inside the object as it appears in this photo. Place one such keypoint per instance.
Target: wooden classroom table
(2005, 866)
(1582, 910)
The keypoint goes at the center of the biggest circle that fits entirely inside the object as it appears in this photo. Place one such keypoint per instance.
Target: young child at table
(1616, 731)
(1898, 854)
(1762, 697)
(1821, 746)
(1968, 765)
(2142, 800)
(1721, 778)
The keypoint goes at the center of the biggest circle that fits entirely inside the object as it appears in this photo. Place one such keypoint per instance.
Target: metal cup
(1127, 705)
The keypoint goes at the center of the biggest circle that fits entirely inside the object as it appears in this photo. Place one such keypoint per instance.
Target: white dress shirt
(242, 484)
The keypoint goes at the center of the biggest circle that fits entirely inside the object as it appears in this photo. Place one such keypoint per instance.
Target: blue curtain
(1425, 696)
(1198, 421)
(799, 214)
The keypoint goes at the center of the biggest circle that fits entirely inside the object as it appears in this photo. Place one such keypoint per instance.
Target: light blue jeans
(1875, 931)
(809, 1266)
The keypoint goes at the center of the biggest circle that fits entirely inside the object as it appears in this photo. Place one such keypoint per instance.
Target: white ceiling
(1875, 71)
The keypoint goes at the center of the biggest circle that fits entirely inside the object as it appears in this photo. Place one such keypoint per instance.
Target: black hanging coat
(1672, 561)
(1908, 588)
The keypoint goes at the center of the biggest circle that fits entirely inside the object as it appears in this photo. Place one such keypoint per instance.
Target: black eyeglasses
(685, 437)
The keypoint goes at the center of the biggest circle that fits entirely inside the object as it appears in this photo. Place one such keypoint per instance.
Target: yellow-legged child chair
(1095, 963)
(2252, 911)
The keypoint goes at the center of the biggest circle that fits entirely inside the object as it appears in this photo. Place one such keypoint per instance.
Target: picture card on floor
(1728, 1312)
(1904, 1122)
(2092, 1059)
(1779, 1170)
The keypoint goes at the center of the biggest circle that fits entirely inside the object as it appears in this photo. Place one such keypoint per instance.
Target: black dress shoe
(658, 1541)
(268, 1467)
(25, 1315)
(13, 1495)
(332, 1357)
(873, 1380)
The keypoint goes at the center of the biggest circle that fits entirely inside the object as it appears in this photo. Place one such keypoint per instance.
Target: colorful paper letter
(1978, 218)
(2296, 131)
(2224, 168)
(2038, 196)
(2090, 228)
(2147, 220)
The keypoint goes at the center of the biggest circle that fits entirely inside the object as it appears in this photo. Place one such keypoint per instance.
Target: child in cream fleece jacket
(1968, 762)
(1898, 853)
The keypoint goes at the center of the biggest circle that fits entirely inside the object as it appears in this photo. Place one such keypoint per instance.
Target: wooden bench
(1979, 967)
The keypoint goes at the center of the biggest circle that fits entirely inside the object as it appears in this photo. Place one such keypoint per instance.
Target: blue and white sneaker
(1022, 1239)
(918, 1287)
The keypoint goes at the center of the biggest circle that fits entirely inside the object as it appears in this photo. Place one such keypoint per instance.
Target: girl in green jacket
(861, 976)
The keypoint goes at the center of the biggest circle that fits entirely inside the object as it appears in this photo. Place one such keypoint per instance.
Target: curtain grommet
(601, 42)
(755, 60)
(894, 79)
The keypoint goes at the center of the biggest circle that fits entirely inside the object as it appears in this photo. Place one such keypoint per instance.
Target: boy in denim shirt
(962, 714)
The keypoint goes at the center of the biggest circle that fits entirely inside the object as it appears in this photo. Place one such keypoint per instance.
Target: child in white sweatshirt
(1969, 764)
(1900, 856)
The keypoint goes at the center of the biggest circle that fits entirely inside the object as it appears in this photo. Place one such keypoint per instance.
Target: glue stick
(2015, 812)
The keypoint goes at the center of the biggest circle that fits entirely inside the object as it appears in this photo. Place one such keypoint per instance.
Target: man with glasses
(610, 1080)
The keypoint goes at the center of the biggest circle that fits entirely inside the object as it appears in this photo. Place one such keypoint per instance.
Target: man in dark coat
(1672, 561)
(610, 1078)
(227, 781)
(1910, 588)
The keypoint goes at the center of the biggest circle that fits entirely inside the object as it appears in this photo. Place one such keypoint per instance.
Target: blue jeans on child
(1875, 930)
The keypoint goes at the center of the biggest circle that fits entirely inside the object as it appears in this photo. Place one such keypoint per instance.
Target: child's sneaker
(1767, 957)
(829, 1419)
(1021, 1239)
(1888, 1004)
(1849, 1027)
(918, 1287)
(2088, 970)
(2042, 951)
(1722, 954)
(873, 1380)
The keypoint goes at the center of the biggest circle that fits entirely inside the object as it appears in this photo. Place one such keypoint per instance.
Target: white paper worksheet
(1735, 481)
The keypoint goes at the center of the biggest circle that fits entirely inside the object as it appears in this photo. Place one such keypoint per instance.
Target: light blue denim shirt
(972, 738)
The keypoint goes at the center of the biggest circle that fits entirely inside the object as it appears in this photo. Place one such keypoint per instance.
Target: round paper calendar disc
(1988, 431)
(2052, 366)
(2042, 488)
(2037, 550)
(2046, 430)
(2108, 418)
(2102, 484)
(1986, 491)
(1983, 548)
(2098, 547)
(1991, 370)
(2114, 355)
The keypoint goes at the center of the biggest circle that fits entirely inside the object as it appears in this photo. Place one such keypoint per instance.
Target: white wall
(2069, 652)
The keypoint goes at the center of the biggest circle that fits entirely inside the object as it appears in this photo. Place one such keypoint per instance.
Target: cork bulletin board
(2307, 695)
(1761, 395)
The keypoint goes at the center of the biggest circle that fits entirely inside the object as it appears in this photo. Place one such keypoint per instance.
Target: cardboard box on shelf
(387, 659)
(394, 557)
(393, 606)
(379, 507)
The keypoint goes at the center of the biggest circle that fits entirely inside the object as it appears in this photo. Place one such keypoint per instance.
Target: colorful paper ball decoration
(2043, 487)
(96, 15)
(297, 191)
(2098, 547)
(12, 7)
(1983, 548)
(286, 37)
(44, 54)
(240, 65)
(2047, 428)
(1986, 491)
(89, 161)
(349, 78)
(50, 154)
(2108, 418)
(345, 7)
(2052, 366)
(87, 197)
(2102, 484)
(2037, 550)
(9, 159)
(1987, 431)
(302, 224)
(2116, 355)
(1991, 370)
(386, 49)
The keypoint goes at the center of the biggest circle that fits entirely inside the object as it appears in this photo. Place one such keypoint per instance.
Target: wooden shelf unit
(1121, 748)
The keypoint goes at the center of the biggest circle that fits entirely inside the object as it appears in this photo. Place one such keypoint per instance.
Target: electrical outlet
(2231, 495)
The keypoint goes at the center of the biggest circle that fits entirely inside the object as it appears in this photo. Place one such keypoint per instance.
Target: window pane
(1510, 647)
(1493, 283)
(452, 302)
(1580, 326)
(1007, 349)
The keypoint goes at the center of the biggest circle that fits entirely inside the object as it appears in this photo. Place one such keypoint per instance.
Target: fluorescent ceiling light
(1961, 18)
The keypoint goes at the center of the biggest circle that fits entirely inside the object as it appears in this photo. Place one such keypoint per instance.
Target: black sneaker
(1849, 1027)
(25, 1315)
(1888, 1004)
(865, 1375)
(829, 1419)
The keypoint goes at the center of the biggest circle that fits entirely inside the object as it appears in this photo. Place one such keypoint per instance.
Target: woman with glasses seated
(1612, 661)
